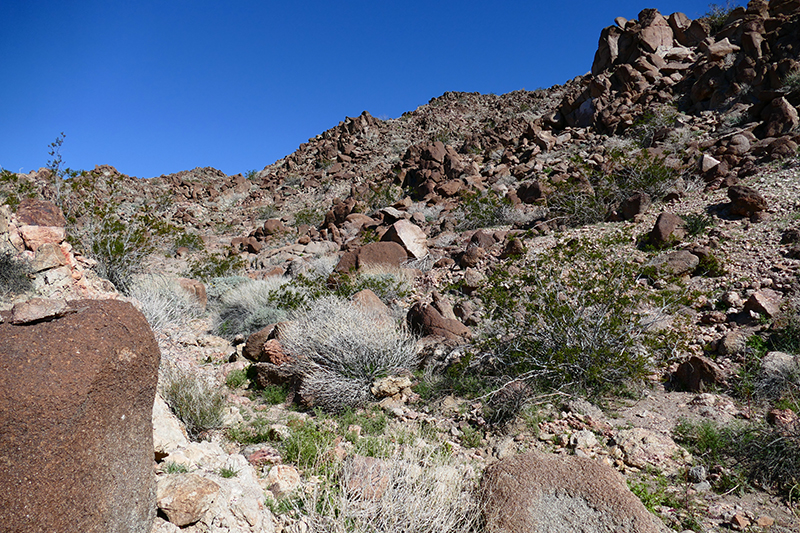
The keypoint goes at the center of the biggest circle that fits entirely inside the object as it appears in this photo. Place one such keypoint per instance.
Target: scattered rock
(537, 492)
(697, 373)
(185, 498)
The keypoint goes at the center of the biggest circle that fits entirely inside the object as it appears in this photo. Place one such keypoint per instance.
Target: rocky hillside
(599, 275)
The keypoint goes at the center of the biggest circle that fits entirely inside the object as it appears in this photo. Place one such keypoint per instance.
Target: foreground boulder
(539, 493)
(76, 400)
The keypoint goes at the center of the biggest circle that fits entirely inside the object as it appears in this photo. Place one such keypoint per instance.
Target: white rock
(168, 432)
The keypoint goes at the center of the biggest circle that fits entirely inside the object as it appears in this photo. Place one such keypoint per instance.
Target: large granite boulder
(76, 434)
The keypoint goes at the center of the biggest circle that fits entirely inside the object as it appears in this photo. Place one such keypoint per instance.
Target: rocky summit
(575, 305)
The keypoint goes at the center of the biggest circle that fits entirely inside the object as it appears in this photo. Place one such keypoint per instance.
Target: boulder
(282, 480)
(548, 493)
(76, 400)
(409, 236)
(382, 253)
(669, 229)
(697, 373)
(169, 434)
(644, 448)
(36, 236)
(32, 212)
(672, 264)
(779, 117)
(636, 204)
(765, 302)
(745, 201)
(185, 498)
(426, 320)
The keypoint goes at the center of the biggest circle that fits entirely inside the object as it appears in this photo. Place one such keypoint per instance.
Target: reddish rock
(31, 212)
(185, 498)
(369, 301)
(274, 226)
(545, 492)
(472, 256)
(780, 117)
(697, 373)
(482, 239)
(668, 229)
(254, 347)
(745, 201)
(37, 310)
(373, 254)
(426, 320)
(76, 400)
(635, 205)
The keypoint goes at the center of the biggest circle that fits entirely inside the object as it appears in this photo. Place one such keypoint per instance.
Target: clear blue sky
(155, 87)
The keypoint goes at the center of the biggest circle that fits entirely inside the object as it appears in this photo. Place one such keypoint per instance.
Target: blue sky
(155, 87)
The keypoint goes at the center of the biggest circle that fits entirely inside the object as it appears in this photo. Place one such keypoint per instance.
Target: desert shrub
(14, 275)
(249, 307)
(217, 287)
(191, 241)
(310, 216)
(551, 327)
(653, 125)
(717, 14)
(792, 80)
(389, 284)
(481, 210)
(119, 246)
(697, 223)
(424, 493)
(196, 402)
(343, 348)
(209, 266)
(766, 455)
(162, 301)
(381, 195)
(590, 201)
(236, 378)
(308, 445)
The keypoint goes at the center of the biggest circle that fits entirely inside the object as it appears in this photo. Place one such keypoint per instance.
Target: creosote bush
(197, 403)
(553, 328)
(342, 349)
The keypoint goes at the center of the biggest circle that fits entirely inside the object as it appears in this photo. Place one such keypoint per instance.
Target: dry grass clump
(163, 302)
(425, 493)
(343, 348)
(199, 404)
(249, 307)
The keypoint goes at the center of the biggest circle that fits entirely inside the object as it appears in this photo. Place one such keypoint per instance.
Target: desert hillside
(575, 308)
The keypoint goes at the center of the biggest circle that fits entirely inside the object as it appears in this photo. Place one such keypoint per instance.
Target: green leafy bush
(209, 266)
(236, 378)
(342, 349)
(197, 403)
(15, 275)
(480, 210)
(552, 327)
(697, 223)
(717, 14)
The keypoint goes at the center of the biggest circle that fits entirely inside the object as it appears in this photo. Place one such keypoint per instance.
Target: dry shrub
(197, 402)
(343, 348)
(163, 302)
(425, 493)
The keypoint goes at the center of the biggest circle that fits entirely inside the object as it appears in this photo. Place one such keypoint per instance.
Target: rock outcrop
(76, 400)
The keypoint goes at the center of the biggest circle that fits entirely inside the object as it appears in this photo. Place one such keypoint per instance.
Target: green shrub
(697, 223)
(309, 216)
(309, 445)
(343, 349)
(198, 404)
(236, 378)
(652, 125)
(792, 80)
(175, 468)
(191, 241)
(210, 266)
(717, 14)
(15, 275)
(551, 327)
(481, 210)
(228, 472)
(274, 394)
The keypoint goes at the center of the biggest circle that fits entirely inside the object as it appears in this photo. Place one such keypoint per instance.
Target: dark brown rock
(765, 302)
(40, 213)
(472, 256)
(254, 346)
(696, 374)
(384, 253)
(76, 399)
(426, 320)
(543, 492)
(779, 117)
(745, 201)
(668, 229)
(635, 205)
(673, 264)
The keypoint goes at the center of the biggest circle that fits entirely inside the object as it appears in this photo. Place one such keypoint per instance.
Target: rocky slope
(668, 177)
